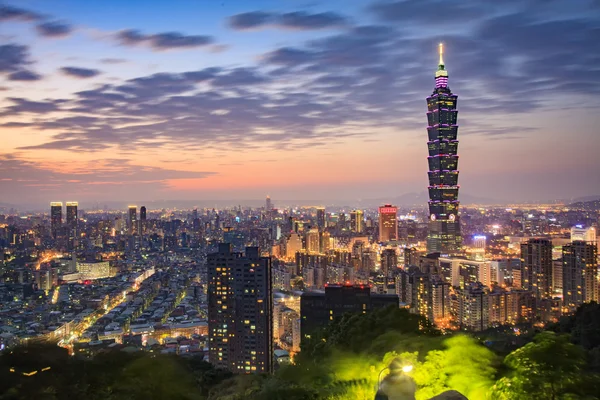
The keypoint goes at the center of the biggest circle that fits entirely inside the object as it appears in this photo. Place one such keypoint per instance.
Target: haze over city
(196, 100)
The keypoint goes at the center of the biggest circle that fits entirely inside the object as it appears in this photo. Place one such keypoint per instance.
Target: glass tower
(442, 129)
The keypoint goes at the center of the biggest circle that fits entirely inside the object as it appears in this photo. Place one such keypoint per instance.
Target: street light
(395, 371)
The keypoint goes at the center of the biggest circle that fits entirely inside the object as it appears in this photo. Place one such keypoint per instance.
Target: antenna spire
(441, 47)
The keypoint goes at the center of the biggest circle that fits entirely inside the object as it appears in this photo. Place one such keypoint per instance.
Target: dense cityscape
(288, 300)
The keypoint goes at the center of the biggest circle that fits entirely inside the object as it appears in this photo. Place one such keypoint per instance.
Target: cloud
(162, 41)
(54, 29)
(250, 20)
(24, 75)
(298, 20)
(21, 105)
(21, 178)
(44, 27)
(8, 13)
(13, 57)
(113, 60)
(425, 11)
(76, 72)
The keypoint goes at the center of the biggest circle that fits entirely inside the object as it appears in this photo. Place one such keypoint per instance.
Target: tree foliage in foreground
(342, 362)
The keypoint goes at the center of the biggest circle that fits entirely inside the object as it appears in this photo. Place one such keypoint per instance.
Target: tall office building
(132, 219)
(268, 204)
(143, 219)
(55, 218)
(72, 223)
(240, 309)
(536, 267)
(388, 223)
(442, 129)
(580, 274)
(357, 221)
(312, 241)
(321, 218)
(389, 262)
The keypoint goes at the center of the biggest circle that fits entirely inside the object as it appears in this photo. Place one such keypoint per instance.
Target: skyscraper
(143, 219)
(442, 129)
(321, 218)
(268, 204)
(240, 309)
(132, 219)
(388, 223)
(536, 267)
(72, 222)
(356, 221)
(580, 274)
(389, 262)
(55, 217)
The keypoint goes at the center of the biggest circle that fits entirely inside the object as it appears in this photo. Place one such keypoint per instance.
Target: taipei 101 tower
(444, 225)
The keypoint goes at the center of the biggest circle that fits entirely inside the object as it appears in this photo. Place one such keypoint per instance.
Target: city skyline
(234, 101)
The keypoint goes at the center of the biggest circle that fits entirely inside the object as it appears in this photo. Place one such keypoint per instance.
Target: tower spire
(441, 71)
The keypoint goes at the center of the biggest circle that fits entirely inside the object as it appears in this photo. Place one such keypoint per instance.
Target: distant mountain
(592, 205)
(420, 199)
(585, 199)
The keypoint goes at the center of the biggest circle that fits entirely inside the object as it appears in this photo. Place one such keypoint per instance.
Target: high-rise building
(357, 221)
(389, 262)
(293, 244)
(240, 310)
(268, 204)
(478, 250)
(318, 309)
(580, 274)
(55, 218)
(132, 219)
(72, 213)
(312, 241)
(536, 267)
(388, 223)
(321, 218)
(143, 220)
(72, 222)
(444, 226)
(473, 307)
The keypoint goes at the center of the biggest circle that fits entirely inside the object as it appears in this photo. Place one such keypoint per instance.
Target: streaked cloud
(77, 72)
(54, 29)
(298, 20)
(162, 41)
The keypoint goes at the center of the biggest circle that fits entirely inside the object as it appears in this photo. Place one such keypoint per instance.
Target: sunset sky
(139, 100)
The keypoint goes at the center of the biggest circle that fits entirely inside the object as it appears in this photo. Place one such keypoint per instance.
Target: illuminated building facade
(583, 234)
(240, 310)
(388, 223)
(580, 274)
(55, 218)
(357, 221)
(312, 241)
(536, 267)
(444, 226)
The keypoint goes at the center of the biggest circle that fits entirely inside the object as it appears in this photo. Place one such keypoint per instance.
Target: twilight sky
(220, 99)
